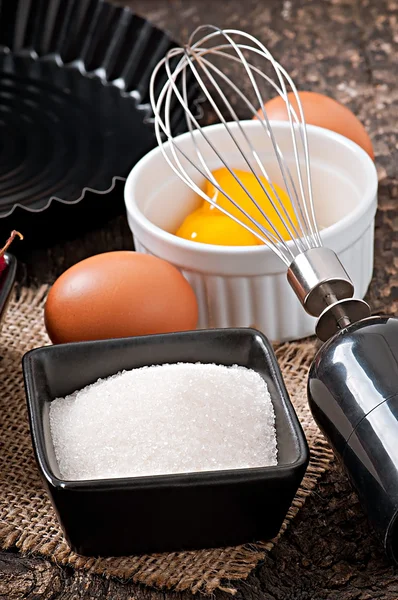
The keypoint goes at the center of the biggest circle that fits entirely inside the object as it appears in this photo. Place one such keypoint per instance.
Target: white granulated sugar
(165, 419)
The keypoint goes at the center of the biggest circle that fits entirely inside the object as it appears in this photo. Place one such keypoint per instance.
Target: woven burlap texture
(27, 520)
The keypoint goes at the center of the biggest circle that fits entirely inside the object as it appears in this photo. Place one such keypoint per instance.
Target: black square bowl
(168, 512)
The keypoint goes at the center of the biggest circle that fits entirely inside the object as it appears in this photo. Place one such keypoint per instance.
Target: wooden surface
(349, 50)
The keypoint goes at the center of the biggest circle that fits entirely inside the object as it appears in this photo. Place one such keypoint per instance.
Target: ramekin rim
(368, 200)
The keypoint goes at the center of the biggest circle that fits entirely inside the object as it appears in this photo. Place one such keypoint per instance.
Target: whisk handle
(353, 396)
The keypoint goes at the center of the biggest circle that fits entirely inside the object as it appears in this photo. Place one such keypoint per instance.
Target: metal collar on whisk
(315, 273)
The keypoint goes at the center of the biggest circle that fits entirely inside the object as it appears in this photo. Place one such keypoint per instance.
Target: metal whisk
(314, 272)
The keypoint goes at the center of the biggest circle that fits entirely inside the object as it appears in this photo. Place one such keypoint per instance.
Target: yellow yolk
(209, 225)
(202, 226)
(228, 183)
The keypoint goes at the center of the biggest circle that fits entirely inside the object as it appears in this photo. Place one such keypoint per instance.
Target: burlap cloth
(27, 520)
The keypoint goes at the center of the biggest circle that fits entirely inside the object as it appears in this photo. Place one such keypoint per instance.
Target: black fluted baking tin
(353, 395)
(169, 512)
(74, 108)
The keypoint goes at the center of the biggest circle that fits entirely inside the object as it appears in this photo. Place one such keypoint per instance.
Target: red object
(8, 243)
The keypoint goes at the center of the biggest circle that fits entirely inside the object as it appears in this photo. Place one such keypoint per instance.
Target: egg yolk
(202, 226)
(209, 225)
(281, 200)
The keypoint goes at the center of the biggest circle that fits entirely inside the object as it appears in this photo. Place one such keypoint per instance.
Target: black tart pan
(74, 111)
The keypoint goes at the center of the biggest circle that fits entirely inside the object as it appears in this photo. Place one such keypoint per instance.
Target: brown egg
(324, 112)
(119, 294)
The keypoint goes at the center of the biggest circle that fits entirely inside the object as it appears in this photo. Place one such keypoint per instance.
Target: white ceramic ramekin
(247, 286)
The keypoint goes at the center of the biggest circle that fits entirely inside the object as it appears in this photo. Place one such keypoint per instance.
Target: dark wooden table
(349, 50)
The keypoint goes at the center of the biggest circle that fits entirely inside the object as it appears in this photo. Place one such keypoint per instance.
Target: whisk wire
(294, 234)
(265, 124)
(276, 233)
(281, 73)
(194, 57)
(271, 239)
(178, 168)
(237, 47)
(262, 51)
(310, 219)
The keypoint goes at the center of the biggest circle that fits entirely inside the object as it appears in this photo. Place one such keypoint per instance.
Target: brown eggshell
(324, 112)
(119, 294)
